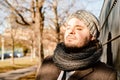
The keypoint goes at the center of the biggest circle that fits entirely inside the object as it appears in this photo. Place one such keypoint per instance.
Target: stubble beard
(77, 44)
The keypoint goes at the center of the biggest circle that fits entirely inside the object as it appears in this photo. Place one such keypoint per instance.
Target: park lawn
(19, 63)
(28, 77)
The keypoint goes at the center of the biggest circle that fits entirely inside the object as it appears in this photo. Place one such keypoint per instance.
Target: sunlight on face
(77, 33)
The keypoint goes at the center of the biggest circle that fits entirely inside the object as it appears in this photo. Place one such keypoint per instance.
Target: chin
(71, 45)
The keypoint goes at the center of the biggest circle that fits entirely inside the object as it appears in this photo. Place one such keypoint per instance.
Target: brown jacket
(100, 71)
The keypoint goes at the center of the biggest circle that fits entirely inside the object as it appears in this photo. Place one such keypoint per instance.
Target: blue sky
(93, 6)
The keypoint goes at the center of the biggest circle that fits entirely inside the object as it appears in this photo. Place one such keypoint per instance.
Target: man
(78, 57)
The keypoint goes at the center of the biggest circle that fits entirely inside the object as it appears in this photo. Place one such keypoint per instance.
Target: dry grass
(28, 77)
(19, 63)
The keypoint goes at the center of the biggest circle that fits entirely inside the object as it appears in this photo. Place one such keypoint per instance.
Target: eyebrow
(79, 26)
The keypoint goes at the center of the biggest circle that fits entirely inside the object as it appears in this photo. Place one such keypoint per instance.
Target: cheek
(65, 35)
(80, 35)
(83, 36)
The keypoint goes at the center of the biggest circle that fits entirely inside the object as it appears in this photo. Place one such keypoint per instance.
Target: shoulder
(106, 71)
(48, 60)
(48, 64)
(104, 67)
(48, 69)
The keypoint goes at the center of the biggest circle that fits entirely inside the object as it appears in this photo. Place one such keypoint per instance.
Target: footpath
(16, 74)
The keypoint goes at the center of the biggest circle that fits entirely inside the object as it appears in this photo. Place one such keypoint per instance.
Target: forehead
(76, 21)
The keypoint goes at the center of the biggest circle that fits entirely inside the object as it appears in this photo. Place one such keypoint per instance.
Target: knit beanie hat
(89, 20)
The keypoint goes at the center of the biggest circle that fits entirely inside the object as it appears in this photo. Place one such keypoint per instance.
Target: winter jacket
(99, 71)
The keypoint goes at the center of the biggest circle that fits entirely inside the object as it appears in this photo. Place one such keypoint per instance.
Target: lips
(71, 37)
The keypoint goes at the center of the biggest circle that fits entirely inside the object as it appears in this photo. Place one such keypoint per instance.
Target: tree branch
(22, 18)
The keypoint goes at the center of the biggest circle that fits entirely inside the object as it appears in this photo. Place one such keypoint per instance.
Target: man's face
(77, 33)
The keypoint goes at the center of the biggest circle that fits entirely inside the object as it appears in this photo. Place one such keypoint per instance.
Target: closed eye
(79, 28)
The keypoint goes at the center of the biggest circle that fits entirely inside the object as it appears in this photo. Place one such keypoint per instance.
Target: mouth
(70, 37)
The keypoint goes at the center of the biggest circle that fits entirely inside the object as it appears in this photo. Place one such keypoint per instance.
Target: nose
(72, 31)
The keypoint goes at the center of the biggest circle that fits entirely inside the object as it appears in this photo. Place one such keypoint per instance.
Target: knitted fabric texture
(73, 59)
(89, 20)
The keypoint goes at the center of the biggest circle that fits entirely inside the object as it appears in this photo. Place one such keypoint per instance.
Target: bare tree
(35, 20)
(12, 33)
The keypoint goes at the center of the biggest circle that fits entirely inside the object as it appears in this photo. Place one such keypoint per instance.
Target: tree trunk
(39, 30)
(12, 57)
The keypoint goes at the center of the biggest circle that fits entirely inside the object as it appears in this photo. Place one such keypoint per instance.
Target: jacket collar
(79, 74)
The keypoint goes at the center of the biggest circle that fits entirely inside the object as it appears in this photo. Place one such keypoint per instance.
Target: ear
(92, 38)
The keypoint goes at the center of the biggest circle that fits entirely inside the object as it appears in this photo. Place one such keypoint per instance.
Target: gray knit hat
(89, 19)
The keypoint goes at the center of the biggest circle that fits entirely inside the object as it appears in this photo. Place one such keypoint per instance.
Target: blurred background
(30, 30)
